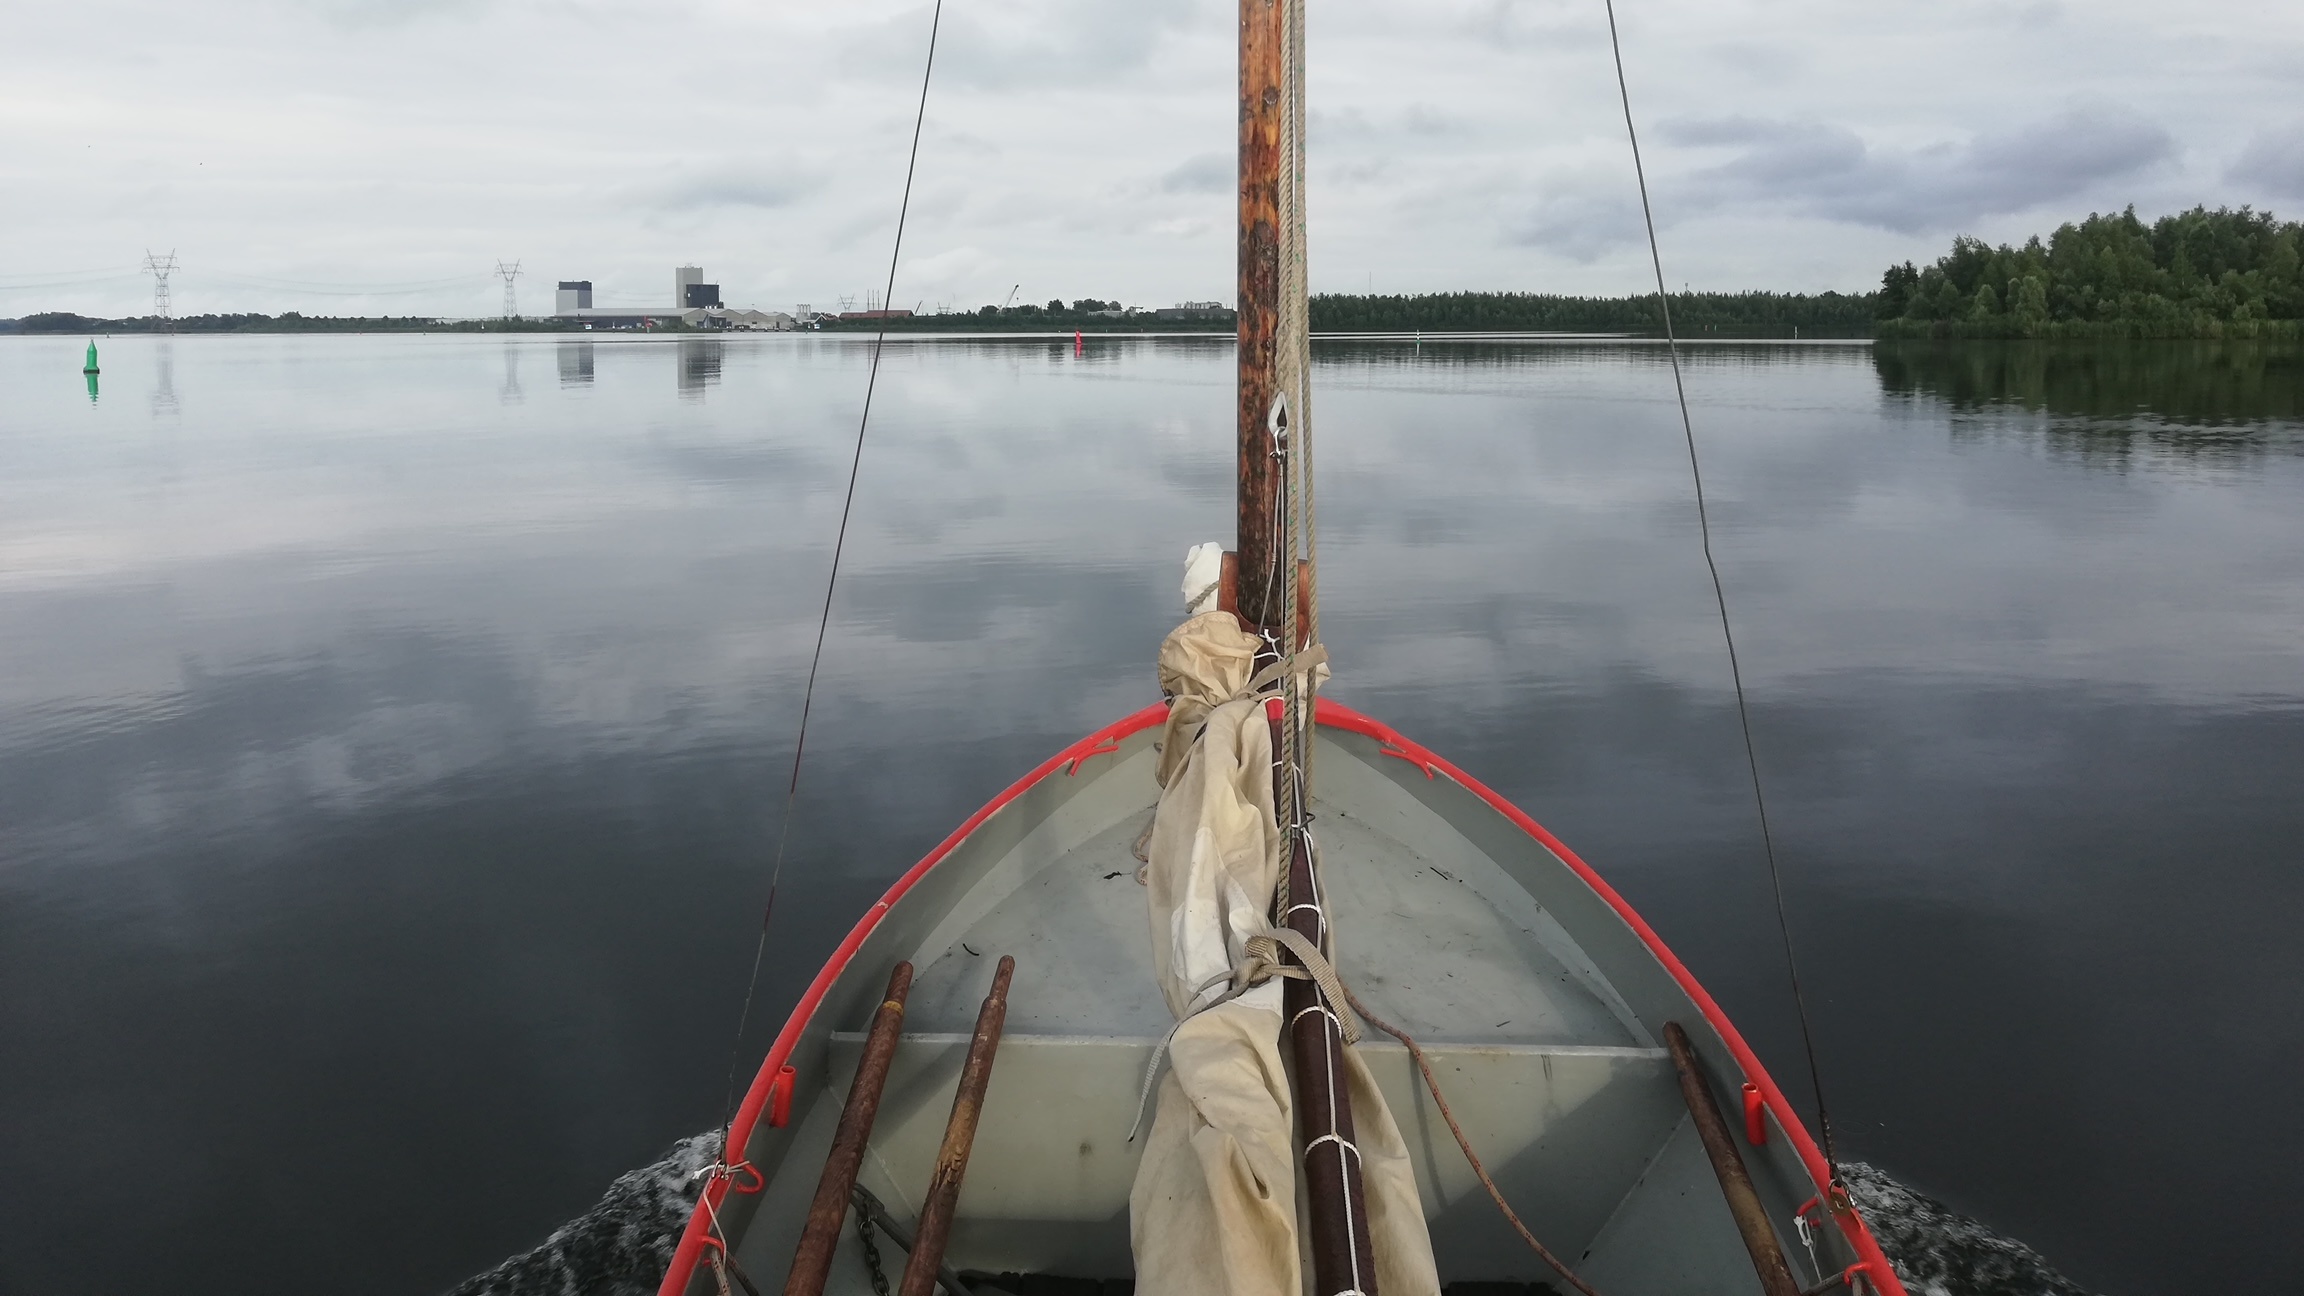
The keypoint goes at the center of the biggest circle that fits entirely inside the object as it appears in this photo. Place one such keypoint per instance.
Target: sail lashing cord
(1720, 599)
(1495, 1194)
(831, 585)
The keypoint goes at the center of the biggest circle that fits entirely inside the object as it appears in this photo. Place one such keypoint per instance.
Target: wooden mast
(1343, 1260)
(1263, 101)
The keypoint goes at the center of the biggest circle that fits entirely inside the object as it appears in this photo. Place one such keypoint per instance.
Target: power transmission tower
(511, 303)
(847, 303)
(161, 267)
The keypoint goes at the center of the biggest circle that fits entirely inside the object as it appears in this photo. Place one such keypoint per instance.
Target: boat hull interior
(1540, 1006)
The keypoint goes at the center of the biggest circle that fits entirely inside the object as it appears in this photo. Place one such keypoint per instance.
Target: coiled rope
(1720, 599)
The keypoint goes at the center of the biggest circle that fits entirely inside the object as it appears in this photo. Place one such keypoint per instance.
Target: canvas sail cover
(1215, 1207)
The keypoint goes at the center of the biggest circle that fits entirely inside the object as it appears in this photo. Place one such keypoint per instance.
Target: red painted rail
(772, 1075)
(775, 1077)
(1877, 1269)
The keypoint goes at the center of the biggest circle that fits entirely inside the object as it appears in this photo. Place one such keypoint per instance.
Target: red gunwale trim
(1875, 1262)
(696, 1237)
(693, 1238)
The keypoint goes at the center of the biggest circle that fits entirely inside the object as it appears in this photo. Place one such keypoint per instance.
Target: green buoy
(90, 367)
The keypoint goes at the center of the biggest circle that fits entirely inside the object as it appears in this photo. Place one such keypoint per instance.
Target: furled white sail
(1214, 1209)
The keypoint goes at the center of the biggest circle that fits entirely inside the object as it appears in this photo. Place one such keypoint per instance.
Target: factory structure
(694, 304)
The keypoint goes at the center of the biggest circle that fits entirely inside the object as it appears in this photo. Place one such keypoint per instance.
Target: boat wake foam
(622, 1245)
(1938, 1251)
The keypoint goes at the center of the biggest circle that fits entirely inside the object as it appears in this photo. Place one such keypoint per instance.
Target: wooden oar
(1728, 1164)
(812, 1260)
(927, 1258)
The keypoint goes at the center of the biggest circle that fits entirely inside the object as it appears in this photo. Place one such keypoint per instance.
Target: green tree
(1896, 289)
(2031, 306)
(2198, 273)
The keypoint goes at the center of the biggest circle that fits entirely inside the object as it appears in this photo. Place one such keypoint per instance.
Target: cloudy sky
(343, 156)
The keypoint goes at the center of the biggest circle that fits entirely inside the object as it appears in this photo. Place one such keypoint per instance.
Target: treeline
(288, 322)
(1087, 315)
(2197, 274)
(1746, 314)
(1694, 314)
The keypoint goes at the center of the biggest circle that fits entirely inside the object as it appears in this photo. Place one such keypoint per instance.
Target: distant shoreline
(1694, 314)
(1051, 338)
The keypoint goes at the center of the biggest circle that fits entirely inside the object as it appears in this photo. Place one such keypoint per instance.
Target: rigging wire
(1720, 599)
(831, 584)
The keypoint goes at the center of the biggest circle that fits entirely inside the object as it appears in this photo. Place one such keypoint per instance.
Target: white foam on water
(1938, 1251)
(622, 1245)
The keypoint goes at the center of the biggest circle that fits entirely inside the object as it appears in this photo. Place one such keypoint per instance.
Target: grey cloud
(2273, 161)
(1580, 226)
(397, 13)
(1538, 24)
(1201, 173)
(1830, 171)
(1424, 119)
(1326, 125)
(1059, 43)
(740, 185)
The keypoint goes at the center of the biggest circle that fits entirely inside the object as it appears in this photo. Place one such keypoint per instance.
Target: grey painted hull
(1536, 994)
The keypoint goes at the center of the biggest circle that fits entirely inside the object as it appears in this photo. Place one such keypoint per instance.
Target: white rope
(1290, 383)
(1295, 348)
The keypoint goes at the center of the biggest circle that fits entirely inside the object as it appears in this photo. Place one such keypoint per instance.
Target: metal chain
(871, 1254)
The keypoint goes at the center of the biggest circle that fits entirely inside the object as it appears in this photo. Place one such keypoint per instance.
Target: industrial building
(694, 304)
(689, 289)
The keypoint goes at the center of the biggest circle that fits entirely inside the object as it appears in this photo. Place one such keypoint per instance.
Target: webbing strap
(1264, 955)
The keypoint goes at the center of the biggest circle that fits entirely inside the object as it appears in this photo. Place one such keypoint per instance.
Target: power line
(67, 278)
(347, 287)
(61, 284)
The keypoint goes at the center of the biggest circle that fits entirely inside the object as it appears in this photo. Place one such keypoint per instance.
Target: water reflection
(2213, 401)
(700, 360)
(510, 393)
(163, 377)
(432, 787)
(575, 356)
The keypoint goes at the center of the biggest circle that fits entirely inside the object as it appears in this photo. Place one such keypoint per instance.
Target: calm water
(392, 730)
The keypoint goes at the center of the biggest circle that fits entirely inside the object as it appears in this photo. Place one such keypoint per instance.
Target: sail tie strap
(1263, 962)
(1258, 964)
(1309, 658)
